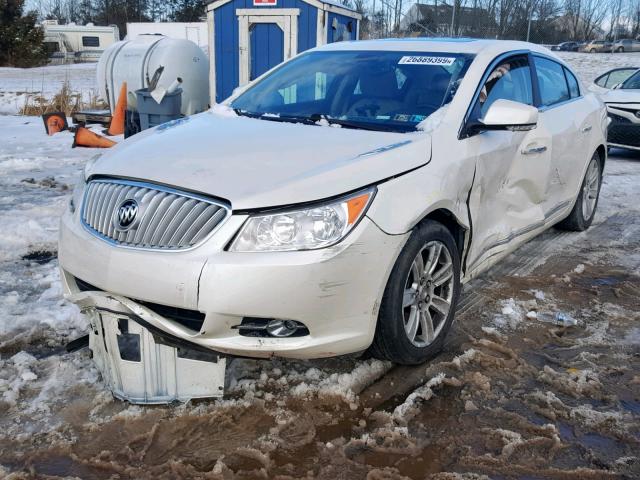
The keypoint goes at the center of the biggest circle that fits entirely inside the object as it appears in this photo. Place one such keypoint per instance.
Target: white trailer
(194, 31)
(78, 42)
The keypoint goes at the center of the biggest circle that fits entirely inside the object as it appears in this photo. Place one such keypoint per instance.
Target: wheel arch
(459, 232)
(602, 152)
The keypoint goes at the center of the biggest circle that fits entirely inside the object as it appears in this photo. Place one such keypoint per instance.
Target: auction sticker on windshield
(421, 60)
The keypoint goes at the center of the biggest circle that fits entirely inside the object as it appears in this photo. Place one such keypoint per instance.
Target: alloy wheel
(428, 293)
(590, 189)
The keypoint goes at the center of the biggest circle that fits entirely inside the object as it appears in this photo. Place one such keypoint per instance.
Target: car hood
(256, 163)
(621, 96)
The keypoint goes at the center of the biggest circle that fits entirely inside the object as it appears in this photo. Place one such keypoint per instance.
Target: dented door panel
(568, 150)
(507, 198)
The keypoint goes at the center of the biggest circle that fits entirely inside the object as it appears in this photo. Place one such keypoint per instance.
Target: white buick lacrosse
(336, 204)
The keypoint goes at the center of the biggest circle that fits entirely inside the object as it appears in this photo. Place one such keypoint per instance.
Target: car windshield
(632, 83)
(373, 90)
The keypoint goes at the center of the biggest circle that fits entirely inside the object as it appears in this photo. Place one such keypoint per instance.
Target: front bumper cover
(335, 292)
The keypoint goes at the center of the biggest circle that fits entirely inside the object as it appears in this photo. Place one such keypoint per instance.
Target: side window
(618, 76)
(551, 80)
(511, 80)
(574, 88)
(90, 41)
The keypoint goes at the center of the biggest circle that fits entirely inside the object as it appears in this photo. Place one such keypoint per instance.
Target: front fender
(404, 201)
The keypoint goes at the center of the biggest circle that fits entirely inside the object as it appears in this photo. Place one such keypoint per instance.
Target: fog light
(282, 328)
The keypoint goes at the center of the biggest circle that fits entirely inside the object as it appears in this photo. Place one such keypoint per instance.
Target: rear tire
(584, 209)
(620, 50)
(419, 301)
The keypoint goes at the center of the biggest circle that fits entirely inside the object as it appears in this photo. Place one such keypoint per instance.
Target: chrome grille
(165, 219)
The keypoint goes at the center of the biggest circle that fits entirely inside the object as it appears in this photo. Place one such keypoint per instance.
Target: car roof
(445, 45)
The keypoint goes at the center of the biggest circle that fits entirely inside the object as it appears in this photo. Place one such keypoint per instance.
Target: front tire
(584, 209)
(420, 298)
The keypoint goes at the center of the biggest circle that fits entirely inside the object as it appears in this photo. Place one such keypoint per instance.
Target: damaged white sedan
(334, 205)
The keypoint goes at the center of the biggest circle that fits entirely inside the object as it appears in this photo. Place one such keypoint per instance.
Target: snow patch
(223, 110)
(408, 409)
(433, 121)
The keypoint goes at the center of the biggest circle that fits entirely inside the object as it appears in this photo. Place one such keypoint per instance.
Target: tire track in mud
(510, 397)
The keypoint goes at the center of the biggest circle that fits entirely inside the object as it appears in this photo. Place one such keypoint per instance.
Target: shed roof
(330, 5)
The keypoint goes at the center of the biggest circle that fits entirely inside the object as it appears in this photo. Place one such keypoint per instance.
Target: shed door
(267, 38)
(266, 48)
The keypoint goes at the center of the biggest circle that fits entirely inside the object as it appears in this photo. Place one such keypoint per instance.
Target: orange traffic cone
(116, 127)
(86, 138)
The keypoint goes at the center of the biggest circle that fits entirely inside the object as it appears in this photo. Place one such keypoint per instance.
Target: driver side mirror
(509, 115)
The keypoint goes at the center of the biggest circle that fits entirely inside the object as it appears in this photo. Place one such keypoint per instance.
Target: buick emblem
(126, 214)
(638, 114)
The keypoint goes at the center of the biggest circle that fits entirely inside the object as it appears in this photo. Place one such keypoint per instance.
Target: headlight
(314, 227)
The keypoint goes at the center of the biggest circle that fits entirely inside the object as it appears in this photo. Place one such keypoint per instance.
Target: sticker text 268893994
(423, 60)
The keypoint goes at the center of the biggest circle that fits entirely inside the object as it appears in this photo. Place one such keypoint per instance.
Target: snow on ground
(19, 85)
(590, 65)
(510, 395)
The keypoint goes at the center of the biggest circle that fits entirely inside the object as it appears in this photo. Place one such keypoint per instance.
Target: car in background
(597, 46)
(623, 108)
(566, 47)
(611, 78)
(626, 45)
(336, 203)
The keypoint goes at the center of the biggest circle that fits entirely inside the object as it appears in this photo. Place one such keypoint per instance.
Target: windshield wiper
(275, 117)
(314, 118)
(375, 127)
(350, 123)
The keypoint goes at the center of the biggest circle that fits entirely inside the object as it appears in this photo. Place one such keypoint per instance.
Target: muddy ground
(511, 397)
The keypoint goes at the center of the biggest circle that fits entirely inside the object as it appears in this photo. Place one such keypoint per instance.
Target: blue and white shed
(248, 37)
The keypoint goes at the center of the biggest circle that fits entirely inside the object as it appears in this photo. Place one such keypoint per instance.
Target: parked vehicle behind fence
(566, 47)
(597, 46)
(337, 203)
(626, 45)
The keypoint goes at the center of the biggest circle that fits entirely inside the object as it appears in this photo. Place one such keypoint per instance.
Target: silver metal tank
(135, 61)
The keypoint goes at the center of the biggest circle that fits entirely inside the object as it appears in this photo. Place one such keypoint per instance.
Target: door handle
(586, 129)
(534, 150)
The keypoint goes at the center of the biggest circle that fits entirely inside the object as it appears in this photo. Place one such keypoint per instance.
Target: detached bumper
(335, 292)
